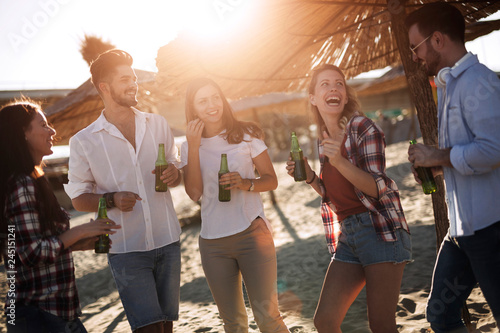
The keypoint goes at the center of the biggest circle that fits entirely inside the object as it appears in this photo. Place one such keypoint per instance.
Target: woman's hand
(235, 181)
(332, 147)
(82, 235)
(290, 168)
(97, 227)
(194, 129)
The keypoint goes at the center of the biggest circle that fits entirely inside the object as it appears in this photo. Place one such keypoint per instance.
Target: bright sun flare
(214, 18)
(155, 23)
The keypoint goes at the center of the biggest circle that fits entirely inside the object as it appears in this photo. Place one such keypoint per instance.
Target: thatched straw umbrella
(285, 39)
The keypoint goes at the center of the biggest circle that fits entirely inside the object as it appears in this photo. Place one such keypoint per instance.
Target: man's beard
(126, 101)
(434, 58)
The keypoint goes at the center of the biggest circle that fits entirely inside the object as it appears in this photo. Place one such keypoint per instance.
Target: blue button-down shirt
(469, 123)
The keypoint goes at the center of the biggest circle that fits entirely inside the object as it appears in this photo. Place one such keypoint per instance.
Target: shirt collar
(103, 124)
(463, 64)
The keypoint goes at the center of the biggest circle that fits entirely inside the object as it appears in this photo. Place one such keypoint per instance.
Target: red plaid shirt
(365, 146)
(44, 270)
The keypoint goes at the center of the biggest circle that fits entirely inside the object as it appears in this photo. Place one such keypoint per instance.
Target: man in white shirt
(114, 157)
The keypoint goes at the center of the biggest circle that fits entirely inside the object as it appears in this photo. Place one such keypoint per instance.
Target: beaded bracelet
(313, 178)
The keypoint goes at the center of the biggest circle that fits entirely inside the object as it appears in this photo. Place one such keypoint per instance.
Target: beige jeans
(249, 254)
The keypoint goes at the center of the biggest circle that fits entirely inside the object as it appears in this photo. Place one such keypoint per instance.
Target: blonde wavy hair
(353, 105)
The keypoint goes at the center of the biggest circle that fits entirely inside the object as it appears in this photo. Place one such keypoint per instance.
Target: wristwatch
(252, 186)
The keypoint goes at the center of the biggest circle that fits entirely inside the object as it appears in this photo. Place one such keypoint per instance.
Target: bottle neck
(161, 153)
(295, 144)
(102, 212)
(223, 164)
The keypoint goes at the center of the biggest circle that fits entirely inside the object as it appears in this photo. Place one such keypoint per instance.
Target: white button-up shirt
(102, 160)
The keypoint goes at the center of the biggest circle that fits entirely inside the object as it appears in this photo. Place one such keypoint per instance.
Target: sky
(40, 39)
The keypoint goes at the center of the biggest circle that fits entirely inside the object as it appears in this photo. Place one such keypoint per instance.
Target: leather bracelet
(313, 178)
(110, 202)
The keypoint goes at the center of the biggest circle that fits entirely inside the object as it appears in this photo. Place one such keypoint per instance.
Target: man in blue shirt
(469, 156)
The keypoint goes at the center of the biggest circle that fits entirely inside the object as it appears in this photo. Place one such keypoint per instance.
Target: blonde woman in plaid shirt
(364, 222)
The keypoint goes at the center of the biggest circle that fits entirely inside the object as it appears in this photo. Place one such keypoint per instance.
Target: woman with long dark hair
(37, 240)
(364, 222)
(235, 238)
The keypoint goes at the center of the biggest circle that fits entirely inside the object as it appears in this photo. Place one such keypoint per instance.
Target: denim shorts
(149, 284)
(359, 243)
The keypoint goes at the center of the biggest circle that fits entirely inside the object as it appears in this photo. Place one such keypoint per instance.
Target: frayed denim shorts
(148, 283)
(359, 243)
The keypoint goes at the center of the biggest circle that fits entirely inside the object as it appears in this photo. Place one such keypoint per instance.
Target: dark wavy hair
(350, 108)
(15, 120)
(235, 129)
(105, 64)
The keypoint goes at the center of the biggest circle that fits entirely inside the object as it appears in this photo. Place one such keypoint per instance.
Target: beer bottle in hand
(299, 173)
(160, 165)
(425, 175)
(224, 195)
(102, 244)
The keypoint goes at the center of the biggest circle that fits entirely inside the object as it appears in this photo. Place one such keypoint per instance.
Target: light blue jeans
(149, 284)
(463, 262)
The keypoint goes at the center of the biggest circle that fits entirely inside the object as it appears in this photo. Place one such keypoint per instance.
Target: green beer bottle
(160, 165)
(425, 175)
(299, 173)
(224, 195)
(102, 244)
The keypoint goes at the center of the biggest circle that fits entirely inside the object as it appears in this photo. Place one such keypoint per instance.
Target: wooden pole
(422, 98)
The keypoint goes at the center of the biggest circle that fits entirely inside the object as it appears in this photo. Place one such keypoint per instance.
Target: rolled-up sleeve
(481, 111)
(80, 178)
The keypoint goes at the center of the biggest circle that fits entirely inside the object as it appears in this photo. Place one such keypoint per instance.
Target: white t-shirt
(221, 219)
(102, 160)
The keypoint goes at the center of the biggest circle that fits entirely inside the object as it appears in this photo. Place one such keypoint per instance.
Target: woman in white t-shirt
(235, 239)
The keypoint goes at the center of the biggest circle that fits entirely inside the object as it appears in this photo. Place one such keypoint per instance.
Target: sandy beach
(302, 262)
